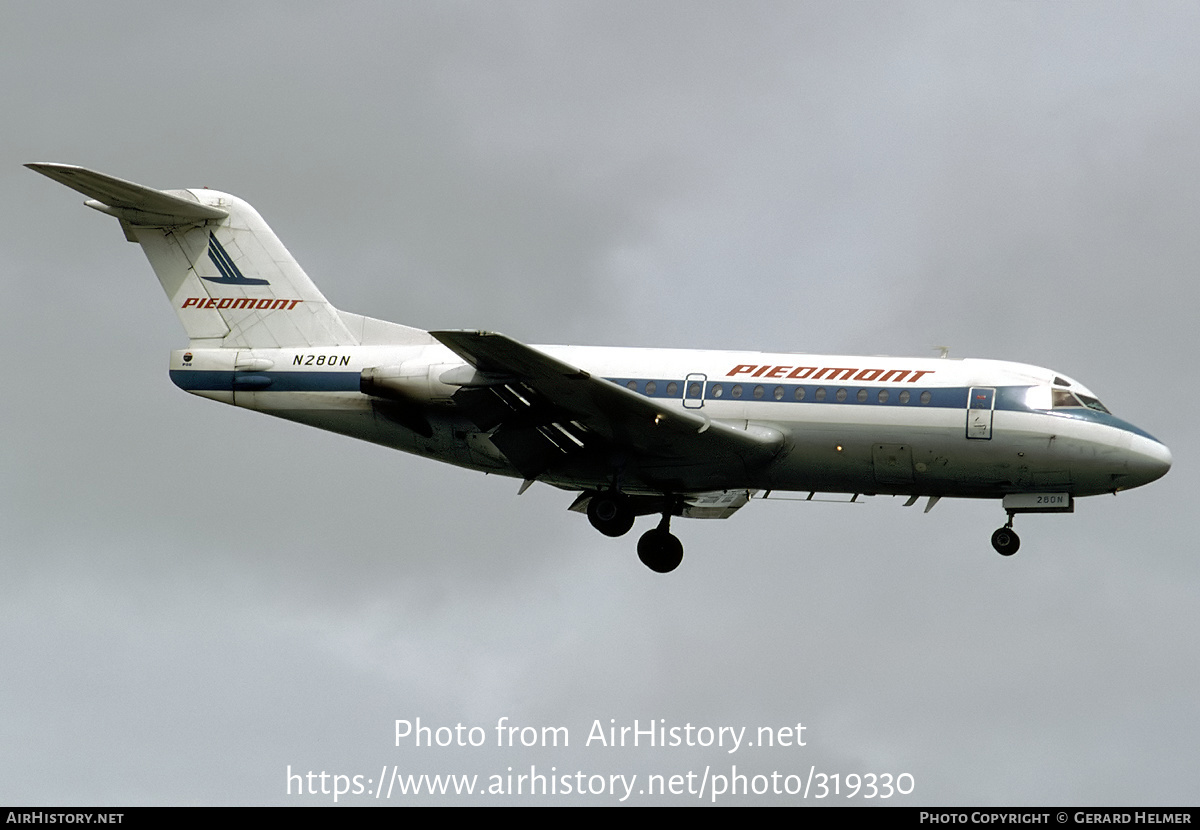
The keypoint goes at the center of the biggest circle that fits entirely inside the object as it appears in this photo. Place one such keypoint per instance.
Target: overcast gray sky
(196, 597)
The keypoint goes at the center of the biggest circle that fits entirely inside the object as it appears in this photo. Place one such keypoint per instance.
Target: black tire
(660, 551)
(610, 514)
(1006, 541)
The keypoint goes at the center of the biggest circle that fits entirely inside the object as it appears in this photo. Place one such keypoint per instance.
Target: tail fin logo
(230, 275)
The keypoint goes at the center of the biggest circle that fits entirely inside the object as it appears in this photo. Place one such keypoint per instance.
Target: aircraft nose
(1148, 460)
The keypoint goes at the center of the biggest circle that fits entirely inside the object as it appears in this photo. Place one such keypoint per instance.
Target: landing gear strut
(659, 549)
(610, 513)
(1005, 540)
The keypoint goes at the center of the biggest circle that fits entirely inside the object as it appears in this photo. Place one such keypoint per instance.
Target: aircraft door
(693, 390)
(981, 402)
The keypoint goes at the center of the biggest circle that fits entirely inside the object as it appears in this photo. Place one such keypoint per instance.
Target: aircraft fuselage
(872, 425)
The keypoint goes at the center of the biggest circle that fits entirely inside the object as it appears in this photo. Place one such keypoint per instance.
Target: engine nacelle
(426, 383)
(408, 382)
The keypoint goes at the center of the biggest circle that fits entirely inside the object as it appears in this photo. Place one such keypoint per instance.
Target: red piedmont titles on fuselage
(828, 373)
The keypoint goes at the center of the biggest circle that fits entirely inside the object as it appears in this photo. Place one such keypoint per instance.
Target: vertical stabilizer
(231, 281)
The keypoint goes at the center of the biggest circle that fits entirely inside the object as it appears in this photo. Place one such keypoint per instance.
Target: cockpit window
(1076, 400)
(1046, 397)
(1038, 397)
(1093, 403)
(1064, 399)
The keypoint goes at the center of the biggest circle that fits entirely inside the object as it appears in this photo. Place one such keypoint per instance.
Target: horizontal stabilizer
(134, 203)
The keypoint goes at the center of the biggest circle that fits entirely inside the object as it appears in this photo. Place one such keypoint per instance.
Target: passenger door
(981, 401)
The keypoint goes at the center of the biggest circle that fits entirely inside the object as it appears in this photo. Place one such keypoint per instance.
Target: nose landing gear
(1005, 540)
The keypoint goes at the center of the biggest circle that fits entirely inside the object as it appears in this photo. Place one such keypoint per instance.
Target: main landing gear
(1005, 540)
(611, 512)
(659, 549)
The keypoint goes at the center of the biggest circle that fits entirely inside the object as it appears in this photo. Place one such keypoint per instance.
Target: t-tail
(231, 281)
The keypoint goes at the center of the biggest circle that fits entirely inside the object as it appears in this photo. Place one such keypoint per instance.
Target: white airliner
(631, 431)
